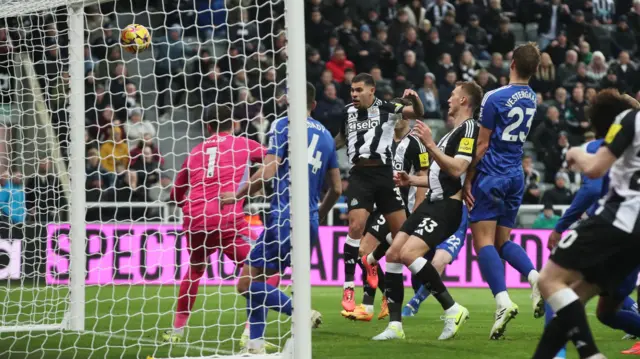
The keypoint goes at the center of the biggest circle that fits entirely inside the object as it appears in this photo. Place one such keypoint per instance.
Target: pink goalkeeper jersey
(218, 165)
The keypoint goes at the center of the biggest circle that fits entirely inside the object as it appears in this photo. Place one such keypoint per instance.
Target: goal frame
(299, 345)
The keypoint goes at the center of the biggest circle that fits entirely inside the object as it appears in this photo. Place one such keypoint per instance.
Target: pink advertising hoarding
(157, 254)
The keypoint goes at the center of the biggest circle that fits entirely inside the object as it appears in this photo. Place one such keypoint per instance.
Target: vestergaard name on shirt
(316, 126)
(355, 125)
(519, 96)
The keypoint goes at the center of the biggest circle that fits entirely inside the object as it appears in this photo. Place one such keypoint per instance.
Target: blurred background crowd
(142, 113)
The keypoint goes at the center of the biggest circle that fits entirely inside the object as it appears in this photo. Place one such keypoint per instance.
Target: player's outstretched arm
(255, 183)
(454, 166)
(332, 195)
(593, 166)
(416, 110)
(340, 140)
(403, 179)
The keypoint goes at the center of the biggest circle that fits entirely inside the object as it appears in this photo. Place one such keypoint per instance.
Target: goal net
(92, 248)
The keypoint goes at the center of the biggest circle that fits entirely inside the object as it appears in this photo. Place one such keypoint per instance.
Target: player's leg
(513, 253)
(200, 246)
(555, 284)
(445, 253)
(617, 309)
(489, 193)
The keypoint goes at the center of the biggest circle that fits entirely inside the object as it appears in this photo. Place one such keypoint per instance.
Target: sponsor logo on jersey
(354, 202)
(355, 125)
(466, 145)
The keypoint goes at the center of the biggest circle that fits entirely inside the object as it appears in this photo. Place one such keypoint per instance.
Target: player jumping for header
(495, 184)
(437, 217)
(271, 253)
(215, 166)
(367, 127)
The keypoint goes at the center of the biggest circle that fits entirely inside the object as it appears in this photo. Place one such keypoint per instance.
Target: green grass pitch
(126, 322)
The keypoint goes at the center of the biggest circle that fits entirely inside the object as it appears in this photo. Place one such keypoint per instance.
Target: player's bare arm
(340, 140)
(484, 136)
(592, 165)
(453, 166)
(265, 173)
(421, 192)
(416, 110)
(403, 179)
(332, 195)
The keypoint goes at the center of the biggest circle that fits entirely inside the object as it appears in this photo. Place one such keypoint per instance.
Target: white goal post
(65, 301)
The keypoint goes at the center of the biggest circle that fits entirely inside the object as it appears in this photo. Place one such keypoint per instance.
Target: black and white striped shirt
(621, 205)
(369, 132)
(458, 143)
(435, 13)
(410, 156)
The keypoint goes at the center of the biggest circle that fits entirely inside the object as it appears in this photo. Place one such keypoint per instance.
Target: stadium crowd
(427, 45)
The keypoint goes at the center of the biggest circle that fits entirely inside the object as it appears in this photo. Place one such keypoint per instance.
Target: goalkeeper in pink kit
(217, 165)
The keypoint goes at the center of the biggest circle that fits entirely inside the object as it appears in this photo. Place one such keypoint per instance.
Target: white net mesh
(142, 118)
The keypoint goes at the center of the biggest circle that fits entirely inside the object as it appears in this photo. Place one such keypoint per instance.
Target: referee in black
(366, 128)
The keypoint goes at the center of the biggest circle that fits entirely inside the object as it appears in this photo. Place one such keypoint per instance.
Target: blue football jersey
(508, 112)
(322, 156)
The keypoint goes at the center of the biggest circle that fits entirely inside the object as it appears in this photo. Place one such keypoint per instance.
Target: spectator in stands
(448, 27)
(373, 19)
(428, 94)
(434, 48)
(578, 28)
(137, 128)
(558, 48)
(532, 191)
(561, 102)
(329, 107)
(382, 84)
(387, 56)
(98, 178)
(410, 42)
(128, 189)
(325, 80)
(337, 12)
(627, 70)
(436, 11)
(348, 37)
(551, 17)
(114, 152)
(246, 110)
(444, 91)
(585, 55)
(459, 46)
(485, 80)
(477, 37)
(545, 79)
(101, 130)
(598, 67)
(44, 195)
(243, 33)
(369, 50)
(132, 99)
(90, 62)
(315, 66)
(623, 39)
(465, 9)
(416, 12)
(580, 77)
(604, 10)
(559, 194)
(545, 140)
(445, 65)
(504, 41)
(215, 87)
(468, 68)
(569, 67)
(13, 209)
(148, 169)
(411, 70)
(547, 219)
(136, 152)
(327, 50)
(102, 44)
(497, 67)
(344, 91)
(389, 10)
(589, 94)
(338, 64)
(634, 19)
(492, 16)
(577, 123)
(170, 52)
(612, 81)
(398, 27)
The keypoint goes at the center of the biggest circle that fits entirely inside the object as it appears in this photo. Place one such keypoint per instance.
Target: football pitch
(127, 322)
